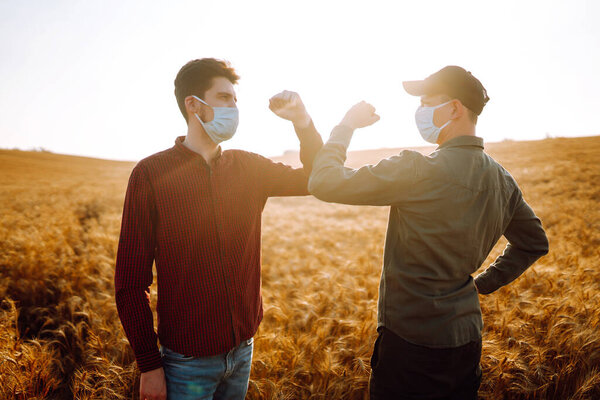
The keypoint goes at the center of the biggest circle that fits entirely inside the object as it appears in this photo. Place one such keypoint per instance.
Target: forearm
(508, 267)
(331, 181)
(136, 317)
(310, 143)
(328, 166)
(527, 242)
(383, 184)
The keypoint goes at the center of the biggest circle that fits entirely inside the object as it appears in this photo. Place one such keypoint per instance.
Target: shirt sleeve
(282, 180)
(310, 144)
(527, 242)
(133, 272)
(386, 183)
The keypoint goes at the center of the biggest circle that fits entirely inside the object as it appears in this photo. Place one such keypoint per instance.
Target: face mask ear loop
(445, 125)
(203, 102)
(450, 120)
(200, 100)
(199, 119)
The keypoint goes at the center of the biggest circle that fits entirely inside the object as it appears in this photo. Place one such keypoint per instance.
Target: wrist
(155, 371)
(347, 124)
(302, 122)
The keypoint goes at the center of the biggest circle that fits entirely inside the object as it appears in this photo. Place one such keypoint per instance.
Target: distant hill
(9, 159)
(355, 158)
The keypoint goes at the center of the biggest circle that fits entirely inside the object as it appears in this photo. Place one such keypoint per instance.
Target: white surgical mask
(223, 125)
(424, 119)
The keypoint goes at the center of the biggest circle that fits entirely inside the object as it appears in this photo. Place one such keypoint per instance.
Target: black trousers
(402, 370)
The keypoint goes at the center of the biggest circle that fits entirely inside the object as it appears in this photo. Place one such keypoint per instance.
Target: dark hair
(470, 113)
(196, 77)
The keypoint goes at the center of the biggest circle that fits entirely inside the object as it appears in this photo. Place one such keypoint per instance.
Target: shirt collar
(461, 141)
(188, 153)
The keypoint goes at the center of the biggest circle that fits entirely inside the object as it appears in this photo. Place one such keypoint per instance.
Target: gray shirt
(448, 210)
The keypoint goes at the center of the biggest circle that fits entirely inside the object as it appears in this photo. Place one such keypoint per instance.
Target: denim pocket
(170, 354)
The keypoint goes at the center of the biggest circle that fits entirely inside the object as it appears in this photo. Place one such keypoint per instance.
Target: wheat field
(60, 336)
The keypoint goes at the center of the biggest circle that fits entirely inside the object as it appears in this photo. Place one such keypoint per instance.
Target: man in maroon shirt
(195, 211)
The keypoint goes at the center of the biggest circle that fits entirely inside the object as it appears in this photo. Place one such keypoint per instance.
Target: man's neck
(455, 131)
(199, 142)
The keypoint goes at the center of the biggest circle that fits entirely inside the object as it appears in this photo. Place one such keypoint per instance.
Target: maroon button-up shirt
(200, 225)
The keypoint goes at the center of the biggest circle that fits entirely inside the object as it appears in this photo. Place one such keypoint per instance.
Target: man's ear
(191, 105)
(458, 109)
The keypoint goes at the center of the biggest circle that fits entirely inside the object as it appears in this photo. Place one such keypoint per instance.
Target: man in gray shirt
(448, 210)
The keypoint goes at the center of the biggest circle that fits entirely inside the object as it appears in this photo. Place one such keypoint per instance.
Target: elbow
(315, 187)
(318, 187)
(540, 248)
(315, 183)
(544, 246)
(537, 245)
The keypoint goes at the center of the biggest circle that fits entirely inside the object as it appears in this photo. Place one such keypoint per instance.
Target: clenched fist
(153, 385)
(288, 105)
(360, 115)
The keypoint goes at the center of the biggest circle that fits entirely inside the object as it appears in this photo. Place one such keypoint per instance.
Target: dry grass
(60, 336)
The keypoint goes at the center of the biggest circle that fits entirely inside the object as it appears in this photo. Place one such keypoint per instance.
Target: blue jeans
(224, 376)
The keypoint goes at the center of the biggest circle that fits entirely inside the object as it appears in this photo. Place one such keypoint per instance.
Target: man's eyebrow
(225, 93)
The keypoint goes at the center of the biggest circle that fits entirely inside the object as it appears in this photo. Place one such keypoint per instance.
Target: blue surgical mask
(223, 125)
(424, 119)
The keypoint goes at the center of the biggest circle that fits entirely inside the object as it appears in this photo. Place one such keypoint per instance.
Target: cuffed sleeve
(386, 183)
(133, 272)
(527, 242)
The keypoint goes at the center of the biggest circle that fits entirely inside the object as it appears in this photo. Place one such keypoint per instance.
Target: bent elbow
(540, 248)
(545, 246)
(318, 187)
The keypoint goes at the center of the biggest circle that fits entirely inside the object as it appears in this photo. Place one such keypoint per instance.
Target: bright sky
(95, 78)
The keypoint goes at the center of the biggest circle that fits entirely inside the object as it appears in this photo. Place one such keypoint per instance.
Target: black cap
(455, 82)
